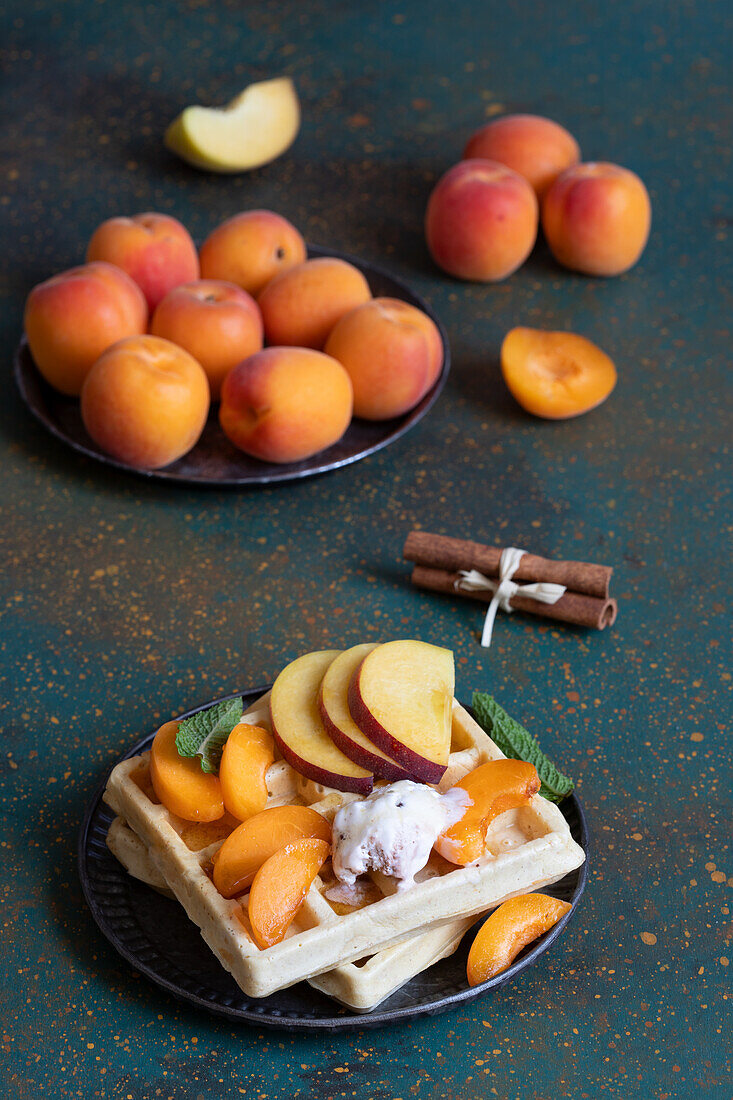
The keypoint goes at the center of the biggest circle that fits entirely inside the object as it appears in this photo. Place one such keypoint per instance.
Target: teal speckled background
(124, 603)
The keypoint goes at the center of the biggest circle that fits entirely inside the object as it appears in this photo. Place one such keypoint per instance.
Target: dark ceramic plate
(156, 937)
(214, 460)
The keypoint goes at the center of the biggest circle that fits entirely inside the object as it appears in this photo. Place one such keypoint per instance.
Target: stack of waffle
(358, 950)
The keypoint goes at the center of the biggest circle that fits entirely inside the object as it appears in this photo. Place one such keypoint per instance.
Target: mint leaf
(204, 734)
(519, 744)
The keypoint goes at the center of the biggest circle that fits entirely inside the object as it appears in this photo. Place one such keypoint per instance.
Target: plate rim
(23, 362)
(290, 1021)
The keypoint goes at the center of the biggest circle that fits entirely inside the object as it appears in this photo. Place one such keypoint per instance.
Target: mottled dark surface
(125, 602)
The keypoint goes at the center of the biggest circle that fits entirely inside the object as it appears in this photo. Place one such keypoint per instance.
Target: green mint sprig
(204, 734)
(519, 744)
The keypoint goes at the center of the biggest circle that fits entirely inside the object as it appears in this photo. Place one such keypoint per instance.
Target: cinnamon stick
(452, 555)
(595, 612)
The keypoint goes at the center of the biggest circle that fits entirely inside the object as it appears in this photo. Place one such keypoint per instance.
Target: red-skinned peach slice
(401, 698)
(508, 930)
(333, 702)
(299, 731)
(280, 888)
(255, 840)
(179, 782)
(492, 788)
(247, 755)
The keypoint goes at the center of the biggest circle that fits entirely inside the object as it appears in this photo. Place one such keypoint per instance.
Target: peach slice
(299, 731)
(254, 128)
(247, 755)
(508, 930)
(492, 788)
(401, 698)
(179, 782)
(253, 842)
(333, 701)
(280, 888)
(555, 375)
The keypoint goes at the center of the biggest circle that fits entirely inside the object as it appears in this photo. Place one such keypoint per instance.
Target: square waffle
(359, 987)
(527, 849)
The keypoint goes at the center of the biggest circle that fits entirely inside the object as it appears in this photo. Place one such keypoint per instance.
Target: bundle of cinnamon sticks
(439, 562)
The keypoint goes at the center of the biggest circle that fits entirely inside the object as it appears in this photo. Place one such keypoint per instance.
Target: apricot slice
(555, 375)
(248, 753)
(252, 843)
(508, 930)
(179, 782)
(280, 887)
(492, 788)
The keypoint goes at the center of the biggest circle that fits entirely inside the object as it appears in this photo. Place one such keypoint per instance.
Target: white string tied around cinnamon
(470, 580)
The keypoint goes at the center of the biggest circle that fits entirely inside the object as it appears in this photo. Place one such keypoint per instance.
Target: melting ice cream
(393, 830)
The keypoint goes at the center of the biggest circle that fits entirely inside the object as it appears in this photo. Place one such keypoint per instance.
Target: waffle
(361, 987)
(527, 849)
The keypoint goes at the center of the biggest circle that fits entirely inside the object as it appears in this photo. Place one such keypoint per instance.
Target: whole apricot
(216, 322)
(285, 404)
(154, 249)
(250, 249)
(596, 218)
(75, 316)
(481, 221)
(302, 305)
(555, 375)
(145, 401)
(538, 148)
(392, 352)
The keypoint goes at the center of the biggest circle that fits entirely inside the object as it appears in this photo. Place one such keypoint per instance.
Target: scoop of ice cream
(393, 830)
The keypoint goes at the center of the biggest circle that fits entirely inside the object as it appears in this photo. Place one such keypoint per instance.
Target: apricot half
(508, 930)
(179, 782)
(555, 374)
(248, 753)
(252, 843)
(492, 788)
(280, 888)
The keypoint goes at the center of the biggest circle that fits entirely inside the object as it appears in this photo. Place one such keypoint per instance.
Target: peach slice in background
(401, 698)
(248, 753)
(280, 888)
(508, 930)
(493, 788)
(179, 782)
(333, 702)
(299, 731)
(255, 840)
(555, 375)
(252, 129)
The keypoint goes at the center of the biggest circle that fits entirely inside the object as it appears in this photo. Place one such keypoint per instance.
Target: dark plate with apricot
(214, 460)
